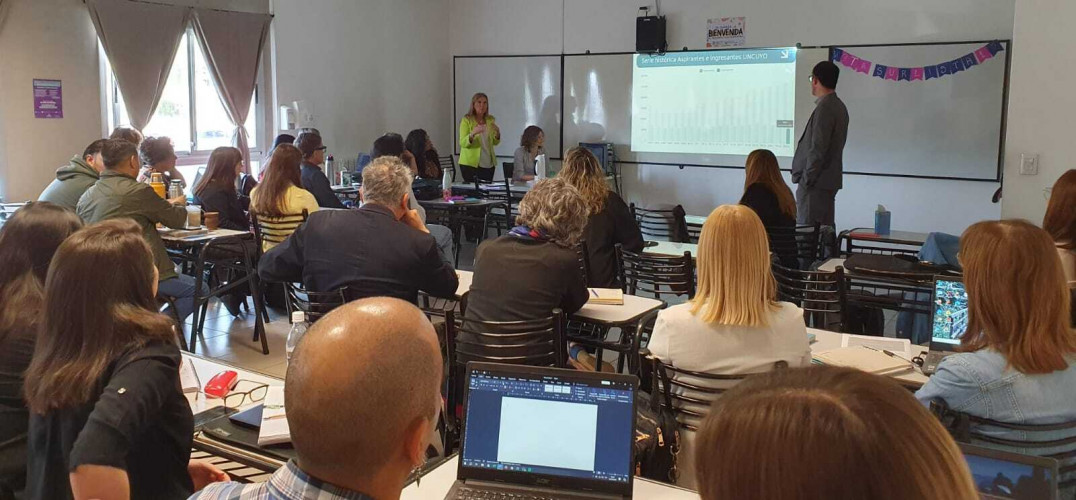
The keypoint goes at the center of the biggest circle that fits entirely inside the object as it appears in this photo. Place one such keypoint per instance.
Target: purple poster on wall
(48, 99)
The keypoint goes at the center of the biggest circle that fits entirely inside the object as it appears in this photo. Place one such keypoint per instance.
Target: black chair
(656, 275)
(867, 290)
(171, 302)
(536, 342)
(448, 164)
(274, 230)
(818, 293)
(694, 231)
(965, 429)
(667, 224)
(504, 214)
(801, 245)
(314, 304)
(689, 394)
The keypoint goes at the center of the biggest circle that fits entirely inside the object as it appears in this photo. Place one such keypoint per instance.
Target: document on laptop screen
(548, 433)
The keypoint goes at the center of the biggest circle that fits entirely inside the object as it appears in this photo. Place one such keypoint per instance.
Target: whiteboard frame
(830, 47)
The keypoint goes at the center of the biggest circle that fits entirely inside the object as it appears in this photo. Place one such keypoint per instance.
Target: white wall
(1042, 104)
(50, 39)
(366, 67)
(544, 27)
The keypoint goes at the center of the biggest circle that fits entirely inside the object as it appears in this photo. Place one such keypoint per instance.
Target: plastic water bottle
(298, 329)
(446, 184)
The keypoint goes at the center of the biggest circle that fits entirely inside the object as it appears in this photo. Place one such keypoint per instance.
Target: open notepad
(864, 358)
(606, 296)
(274, 429)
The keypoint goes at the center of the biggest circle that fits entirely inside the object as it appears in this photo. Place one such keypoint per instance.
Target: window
(196, 130)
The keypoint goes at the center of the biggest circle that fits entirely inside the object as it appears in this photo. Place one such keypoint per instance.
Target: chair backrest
(689, 394)
(893, 291)
(584, 261)
(966, 428)
(536, 342)
(664, 223)
(276, 229)
(449, 164)
(694, 232)
(658, 275)
(507, 168)
(818, 293)
(315, 304)
(801, 244)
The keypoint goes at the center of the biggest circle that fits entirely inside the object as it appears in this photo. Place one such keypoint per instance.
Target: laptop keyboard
(466, 493)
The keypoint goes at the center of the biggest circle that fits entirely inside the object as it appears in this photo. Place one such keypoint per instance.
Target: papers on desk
(606, 296)
(898, 346)
(274, 429)
(182, 233)
(188, 378)
(864, 358)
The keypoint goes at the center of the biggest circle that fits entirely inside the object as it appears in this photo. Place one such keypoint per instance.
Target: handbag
(657, 433)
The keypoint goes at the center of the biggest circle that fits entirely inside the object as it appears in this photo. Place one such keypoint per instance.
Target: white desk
(826, 340)
(671, 249)
(466, 277)
(830, 265)
(436, 483)
(170, 235)
(207, 368)
(696, 220)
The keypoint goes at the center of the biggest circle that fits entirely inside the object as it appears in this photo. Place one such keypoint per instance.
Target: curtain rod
(193, 7)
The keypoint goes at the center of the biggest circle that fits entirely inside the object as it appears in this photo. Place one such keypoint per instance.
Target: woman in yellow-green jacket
(478, 135)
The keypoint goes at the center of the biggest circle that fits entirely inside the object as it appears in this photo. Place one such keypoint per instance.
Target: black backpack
(657, 433)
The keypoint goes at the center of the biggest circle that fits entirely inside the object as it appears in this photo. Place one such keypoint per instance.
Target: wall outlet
(1029, 164)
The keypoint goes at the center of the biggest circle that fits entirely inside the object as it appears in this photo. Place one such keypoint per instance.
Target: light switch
(1029, 164)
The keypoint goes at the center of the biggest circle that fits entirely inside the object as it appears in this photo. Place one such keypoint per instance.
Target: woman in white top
(530, 147)
(1060, 222)
(734, 325)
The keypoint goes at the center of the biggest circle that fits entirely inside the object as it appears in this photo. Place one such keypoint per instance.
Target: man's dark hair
(283, 139)
(115, 151)
(94, 148)
(308, 143)
(390, 144)
(826, 73)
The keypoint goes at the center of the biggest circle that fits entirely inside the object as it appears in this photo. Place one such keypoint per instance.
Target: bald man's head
(361, 377)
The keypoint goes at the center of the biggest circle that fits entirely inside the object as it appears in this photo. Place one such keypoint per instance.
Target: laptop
(546, 433)
(949, 320)
(999, 474)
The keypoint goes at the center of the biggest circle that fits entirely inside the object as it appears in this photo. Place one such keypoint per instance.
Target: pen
(593, 293)
(887, 352)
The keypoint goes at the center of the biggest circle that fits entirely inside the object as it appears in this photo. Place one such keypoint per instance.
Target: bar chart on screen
(718, 102)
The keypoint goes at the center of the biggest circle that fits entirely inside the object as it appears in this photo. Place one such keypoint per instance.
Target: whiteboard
(943, 127)
(522, 91)
(597, 107)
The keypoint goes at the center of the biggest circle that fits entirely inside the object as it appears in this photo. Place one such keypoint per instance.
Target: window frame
(196, 156)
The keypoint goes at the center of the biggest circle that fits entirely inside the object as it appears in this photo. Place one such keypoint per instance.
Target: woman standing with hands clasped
(478, 135)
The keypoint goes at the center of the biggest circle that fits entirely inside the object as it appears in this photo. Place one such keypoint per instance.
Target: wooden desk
(671, 249)
(436, 483)
(826, 340)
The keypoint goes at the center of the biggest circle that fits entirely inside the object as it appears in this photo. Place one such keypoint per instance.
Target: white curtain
(232, 43)
(140, 40)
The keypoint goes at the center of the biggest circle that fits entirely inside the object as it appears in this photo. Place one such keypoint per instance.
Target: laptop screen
(950, 312)
(547, 422)
(1000, 474)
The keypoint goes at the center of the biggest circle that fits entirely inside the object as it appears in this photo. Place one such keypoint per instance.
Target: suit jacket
(314, 180)
(819, 160)
(367, 250)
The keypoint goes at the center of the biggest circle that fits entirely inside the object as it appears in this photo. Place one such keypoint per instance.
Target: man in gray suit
(818, 165)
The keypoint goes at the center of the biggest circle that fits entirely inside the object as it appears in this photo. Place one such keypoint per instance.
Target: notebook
(606, 296)
(274, 429)
(864, 358)
(188, 378)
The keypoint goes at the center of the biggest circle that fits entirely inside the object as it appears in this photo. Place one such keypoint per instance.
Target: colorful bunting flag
(923, 73)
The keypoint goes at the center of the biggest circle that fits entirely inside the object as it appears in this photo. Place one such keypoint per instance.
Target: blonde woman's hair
(555, 208)
(1018, 298)
(826, 433)
(470, 111)
(582, 170)
(736, 285)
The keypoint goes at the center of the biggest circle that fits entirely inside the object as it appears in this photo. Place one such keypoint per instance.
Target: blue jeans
(445, 244)
(181, 288)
